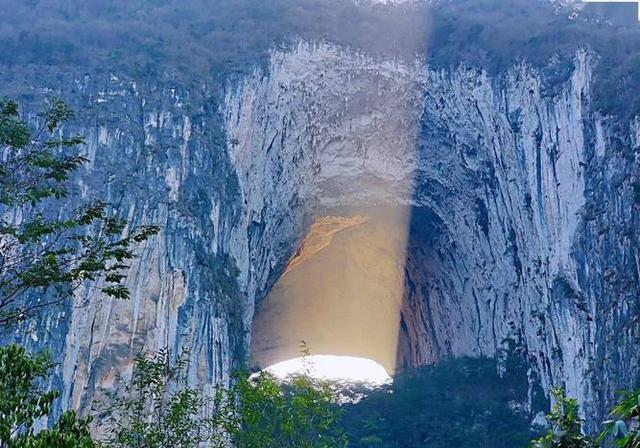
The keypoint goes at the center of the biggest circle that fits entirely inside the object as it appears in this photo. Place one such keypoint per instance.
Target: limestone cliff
(510, 237)
(522, 212)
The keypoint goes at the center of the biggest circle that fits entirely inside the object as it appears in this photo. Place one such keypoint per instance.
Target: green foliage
(48, 252)
(44, 254)
(144, 39)
(496, 34)
(566, 426)
(157, 408)
(24, 401)
(456, 403)
(301, 413)
(623, 428)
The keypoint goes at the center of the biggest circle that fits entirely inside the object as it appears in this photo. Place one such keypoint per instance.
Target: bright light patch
(333, 368)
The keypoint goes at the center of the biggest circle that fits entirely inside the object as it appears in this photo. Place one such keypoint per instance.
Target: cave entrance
(341, 293)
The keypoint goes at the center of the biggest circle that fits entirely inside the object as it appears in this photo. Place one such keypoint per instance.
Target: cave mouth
(341, 293)
(333, 368)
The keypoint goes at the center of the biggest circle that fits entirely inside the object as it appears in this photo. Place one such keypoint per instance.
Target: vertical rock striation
(511, 243)
(157, 153)
(505, 245)
(523, 230)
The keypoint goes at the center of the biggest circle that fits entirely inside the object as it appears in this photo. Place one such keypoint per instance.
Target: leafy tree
(157, 408)
(566, 426)
(623, 428)
(24, 401)
(45, 253)
(299, 413)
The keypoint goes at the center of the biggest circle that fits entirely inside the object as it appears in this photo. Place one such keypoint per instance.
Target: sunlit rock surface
(341, 299)
(522, 222)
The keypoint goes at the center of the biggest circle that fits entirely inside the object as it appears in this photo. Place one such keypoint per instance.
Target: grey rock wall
(524, 224)
(512, 240)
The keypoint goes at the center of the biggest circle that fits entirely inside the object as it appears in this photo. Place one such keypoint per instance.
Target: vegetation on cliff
(458, 402)
(157, 408)
(47, 253)
(193, 39)
(25, 399)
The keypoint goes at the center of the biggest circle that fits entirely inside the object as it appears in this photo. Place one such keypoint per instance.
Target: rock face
(511, 238)
(157, 155)
(523, 226)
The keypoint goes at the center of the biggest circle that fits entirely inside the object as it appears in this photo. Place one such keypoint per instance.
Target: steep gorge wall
(521, 191)
(523, 226)
(508, 203)
(511, 243)
(157, 154)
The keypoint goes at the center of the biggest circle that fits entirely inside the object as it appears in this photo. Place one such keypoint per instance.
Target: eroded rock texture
(511, 238)
(523, 225)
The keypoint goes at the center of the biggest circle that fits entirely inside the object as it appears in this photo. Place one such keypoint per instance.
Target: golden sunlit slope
(320, 236)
